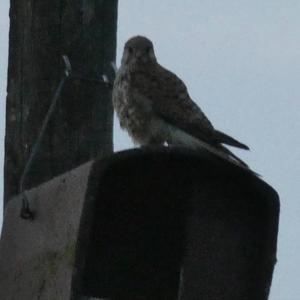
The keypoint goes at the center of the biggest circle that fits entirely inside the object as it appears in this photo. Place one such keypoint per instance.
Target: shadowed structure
(143, 224)
(150, 216)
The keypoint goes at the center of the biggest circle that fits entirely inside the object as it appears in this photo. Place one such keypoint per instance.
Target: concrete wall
(36, 257)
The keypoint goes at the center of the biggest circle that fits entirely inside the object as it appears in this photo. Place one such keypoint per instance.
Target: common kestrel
(154, 106)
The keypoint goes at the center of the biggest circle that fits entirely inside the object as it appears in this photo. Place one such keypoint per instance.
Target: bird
(154, 106)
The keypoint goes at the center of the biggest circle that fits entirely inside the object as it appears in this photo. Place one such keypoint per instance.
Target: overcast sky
(4, 26)
(241, 62)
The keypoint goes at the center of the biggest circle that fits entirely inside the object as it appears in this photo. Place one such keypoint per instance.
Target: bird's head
(138, 51)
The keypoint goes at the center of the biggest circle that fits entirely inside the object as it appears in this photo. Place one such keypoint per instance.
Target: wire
(26, 212)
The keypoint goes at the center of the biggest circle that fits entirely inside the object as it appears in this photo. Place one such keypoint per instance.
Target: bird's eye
(148, 50)
(130, 50)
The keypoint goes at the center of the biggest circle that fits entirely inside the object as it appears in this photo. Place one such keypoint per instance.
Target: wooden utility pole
(81, 126)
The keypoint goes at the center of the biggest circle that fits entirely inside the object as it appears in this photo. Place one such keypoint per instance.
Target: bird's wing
(170, 100)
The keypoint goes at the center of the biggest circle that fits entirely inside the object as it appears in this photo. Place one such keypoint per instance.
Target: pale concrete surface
(36, 257)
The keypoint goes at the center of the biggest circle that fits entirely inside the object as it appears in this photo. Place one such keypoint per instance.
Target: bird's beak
(138, 54)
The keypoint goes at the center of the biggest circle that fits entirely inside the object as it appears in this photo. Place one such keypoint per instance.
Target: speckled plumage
(154, 106)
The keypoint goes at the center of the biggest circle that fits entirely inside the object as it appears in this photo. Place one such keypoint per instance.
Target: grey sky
(241, 62)
(4, 25)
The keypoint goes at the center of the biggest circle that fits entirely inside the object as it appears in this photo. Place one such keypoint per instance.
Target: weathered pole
(81, 125)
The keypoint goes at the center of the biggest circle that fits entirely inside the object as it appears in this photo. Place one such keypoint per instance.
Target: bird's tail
(224, 153)
(231, 155)
(223, 138)
(181, 138)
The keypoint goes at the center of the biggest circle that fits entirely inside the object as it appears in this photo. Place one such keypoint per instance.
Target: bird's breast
(133, 110)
